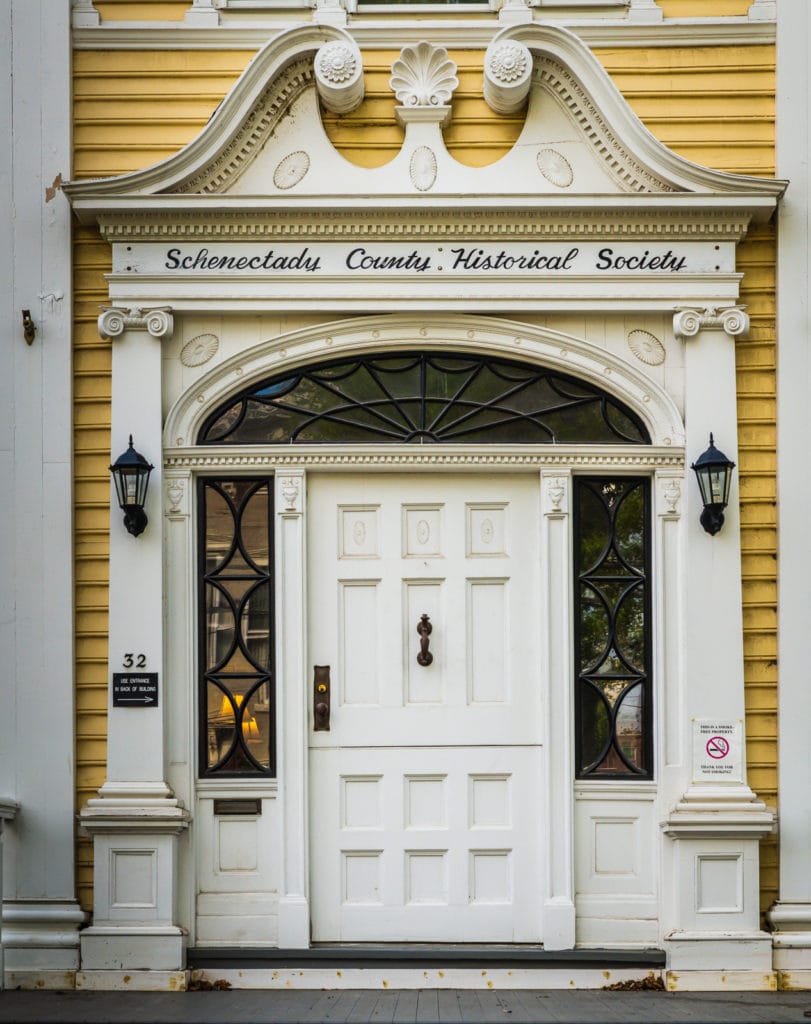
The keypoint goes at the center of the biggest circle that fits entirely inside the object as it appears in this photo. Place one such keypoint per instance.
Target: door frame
(554, 465)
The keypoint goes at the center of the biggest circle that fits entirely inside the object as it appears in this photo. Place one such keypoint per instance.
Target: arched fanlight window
(423, 398)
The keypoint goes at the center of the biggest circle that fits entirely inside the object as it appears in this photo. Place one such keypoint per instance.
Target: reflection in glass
(424, 398)
(612, 627)
(236, 639)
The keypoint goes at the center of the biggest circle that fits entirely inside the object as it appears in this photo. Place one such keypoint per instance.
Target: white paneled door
(426, 793)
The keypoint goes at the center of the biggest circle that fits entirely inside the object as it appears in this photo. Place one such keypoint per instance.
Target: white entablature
(261, 211)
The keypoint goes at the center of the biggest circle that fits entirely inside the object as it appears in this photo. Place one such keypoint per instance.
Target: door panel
(426, 792)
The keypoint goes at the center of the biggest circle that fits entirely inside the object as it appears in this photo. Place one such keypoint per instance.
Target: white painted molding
(507, 76)
(467, 34)
(84, 15)
(513, 12)
(763, 10)
(202, 14)
(8, 810)
(645, 11)
(733, 320)
(158, 322)
(388, 334)
(339, 75)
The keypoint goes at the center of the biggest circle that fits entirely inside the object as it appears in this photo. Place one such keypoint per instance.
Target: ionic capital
(733, 320)
(158, 321)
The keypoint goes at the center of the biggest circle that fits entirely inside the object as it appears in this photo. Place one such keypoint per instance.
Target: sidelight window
(612, 627)
(236, 631)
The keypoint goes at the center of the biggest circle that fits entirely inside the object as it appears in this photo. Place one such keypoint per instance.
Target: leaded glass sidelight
(236, 638)
(612, 627)
(424, 398)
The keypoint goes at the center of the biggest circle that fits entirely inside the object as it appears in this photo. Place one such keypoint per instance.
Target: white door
(426, 793)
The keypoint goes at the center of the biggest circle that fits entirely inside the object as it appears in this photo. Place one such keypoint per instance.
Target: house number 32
(137, 660)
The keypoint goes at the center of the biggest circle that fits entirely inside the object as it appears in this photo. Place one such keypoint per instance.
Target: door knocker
(424, 629)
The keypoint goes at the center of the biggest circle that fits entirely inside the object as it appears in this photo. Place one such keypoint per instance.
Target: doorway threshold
(426, 956)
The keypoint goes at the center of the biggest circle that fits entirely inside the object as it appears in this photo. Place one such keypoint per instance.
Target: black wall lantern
(714, 472)
(131, 476)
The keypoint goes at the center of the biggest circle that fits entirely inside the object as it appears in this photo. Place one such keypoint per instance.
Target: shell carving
(423, 76)
(646, 347)
(423, 168)
(291, 169)
(555, 168)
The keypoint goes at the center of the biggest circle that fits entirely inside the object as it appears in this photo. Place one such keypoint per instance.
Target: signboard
(135, 690)
(388, 260)
(717, 750)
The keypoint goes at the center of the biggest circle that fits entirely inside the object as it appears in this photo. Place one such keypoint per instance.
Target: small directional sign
(135, 690)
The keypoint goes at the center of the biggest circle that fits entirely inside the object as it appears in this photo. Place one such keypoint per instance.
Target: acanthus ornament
(158, 322)
(423, 76)
(733, 320)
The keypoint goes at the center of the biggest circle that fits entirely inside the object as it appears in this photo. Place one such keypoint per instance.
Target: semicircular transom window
(423, 398)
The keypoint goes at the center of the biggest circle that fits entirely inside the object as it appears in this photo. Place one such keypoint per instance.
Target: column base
(294, 922)
(791, 939)
(41, 943)
(130, 949)
(133, 981)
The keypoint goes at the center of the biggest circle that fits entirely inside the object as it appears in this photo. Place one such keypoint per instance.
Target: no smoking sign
(717, 749)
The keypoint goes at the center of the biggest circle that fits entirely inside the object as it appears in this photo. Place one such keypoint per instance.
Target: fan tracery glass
(424, 398)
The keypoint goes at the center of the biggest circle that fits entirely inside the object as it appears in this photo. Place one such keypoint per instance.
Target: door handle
(321, 698)
(424, 628)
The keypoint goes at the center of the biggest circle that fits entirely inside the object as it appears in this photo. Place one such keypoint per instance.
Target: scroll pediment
(266, 141)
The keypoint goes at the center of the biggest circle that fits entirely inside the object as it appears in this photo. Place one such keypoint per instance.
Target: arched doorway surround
(551, 466)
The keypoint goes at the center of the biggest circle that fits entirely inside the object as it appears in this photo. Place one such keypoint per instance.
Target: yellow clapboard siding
(703, 9)
(714, 105)
(142, 10)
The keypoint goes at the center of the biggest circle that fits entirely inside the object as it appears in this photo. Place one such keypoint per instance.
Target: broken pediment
(580, 138)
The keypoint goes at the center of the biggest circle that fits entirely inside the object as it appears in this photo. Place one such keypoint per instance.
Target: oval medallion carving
(555, 168)
(291, 169)
(646, 347)
(423, 531)
(199, 350)
(359, 532)
(423, 168)
(487, 531)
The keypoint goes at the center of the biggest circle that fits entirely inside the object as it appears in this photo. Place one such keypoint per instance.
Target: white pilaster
(711, 915)
(8, 809)
(136, 820)
(41, 915)
(292, 690)
(559, 908)
(790, 917)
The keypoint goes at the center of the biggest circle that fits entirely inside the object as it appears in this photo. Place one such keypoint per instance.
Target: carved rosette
(688, 322)
(158, 322)
(424, 78)
(507, 76)
(339, 75)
